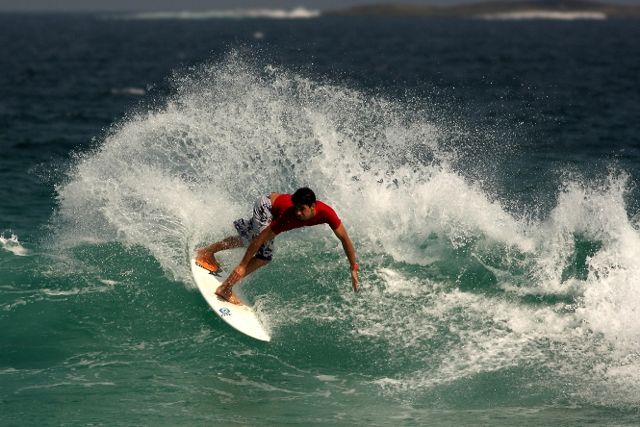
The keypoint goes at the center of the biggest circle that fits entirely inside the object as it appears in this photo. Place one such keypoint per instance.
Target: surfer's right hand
(355, 282)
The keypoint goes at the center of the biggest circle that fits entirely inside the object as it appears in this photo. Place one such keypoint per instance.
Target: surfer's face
(305, 212)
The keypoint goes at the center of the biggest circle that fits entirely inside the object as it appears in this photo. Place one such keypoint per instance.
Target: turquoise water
(486, 173)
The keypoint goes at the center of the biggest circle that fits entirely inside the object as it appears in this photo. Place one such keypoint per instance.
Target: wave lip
(544, 14)
(295, 13)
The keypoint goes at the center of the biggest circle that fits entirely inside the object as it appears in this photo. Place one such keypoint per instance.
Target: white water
(176, 176)
(12, 244)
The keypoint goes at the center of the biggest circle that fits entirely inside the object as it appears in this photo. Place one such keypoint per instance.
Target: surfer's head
(304, 200)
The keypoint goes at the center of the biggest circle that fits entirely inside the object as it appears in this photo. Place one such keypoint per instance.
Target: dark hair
(303, 196)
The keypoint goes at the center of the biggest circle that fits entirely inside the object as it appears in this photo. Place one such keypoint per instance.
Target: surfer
(273, 214)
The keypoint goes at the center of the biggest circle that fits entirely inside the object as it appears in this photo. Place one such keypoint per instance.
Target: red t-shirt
(284, 215)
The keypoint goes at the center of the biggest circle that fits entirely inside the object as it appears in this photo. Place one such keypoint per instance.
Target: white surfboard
(240, 317)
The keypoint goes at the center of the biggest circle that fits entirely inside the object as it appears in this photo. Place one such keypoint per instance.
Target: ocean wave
(544, 14)
(454, 284)
(296, 13)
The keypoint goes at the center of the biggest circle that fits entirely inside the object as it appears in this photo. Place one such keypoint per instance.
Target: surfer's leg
(230, 242)
(205, 257)
(247, 231)
(255, 264)
(225, 291)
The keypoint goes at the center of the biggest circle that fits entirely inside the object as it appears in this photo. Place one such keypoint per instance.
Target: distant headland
(543, 9)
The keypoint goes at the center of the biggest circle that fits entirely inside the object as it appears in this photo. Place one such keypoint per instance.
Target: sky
(195, 5)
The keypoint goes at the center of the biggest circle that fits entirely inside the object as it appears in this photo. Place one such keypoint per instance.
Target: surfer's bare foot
(226, 294)
(207, 260)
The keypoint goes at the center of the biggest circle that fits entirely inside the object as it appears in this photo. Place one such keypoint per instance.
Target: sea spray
(174, 176)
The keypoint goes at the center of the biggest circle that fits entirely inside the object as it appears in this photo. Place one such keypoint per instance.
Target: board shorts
(248, 229)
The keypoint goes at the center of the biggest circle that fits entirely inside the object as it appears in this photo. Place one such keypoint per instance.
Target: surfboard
(241, 317)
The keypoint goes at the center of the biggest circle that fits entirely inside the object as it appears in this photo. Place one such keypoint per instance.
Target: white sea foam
(12, 244)
(610, 291)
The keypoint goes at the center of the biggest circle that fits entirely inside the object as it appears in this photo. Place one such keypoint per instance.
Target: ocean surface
(487, 172)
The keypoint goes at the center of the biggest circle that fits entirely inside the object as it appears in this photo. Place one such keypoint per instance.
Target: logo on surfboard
(224, 311)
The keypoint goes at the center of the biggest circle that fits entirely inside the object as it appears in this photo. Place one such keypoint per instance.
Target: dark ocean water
(487, 172)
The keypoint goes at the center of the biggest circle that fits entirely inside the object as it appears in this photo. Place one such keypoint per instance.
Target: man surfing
(273, 214)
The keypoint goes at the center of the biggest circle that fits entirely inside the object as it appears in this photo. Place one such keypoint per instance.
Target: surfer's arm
(240, 271)
(347, 245)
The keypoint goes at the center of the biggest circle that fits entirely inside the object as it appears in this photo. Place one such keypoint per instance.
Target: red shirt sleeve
(330, 216)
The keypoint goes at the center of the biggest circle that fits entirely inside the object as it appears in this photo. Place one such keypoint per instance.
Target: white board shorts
(248, 229)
